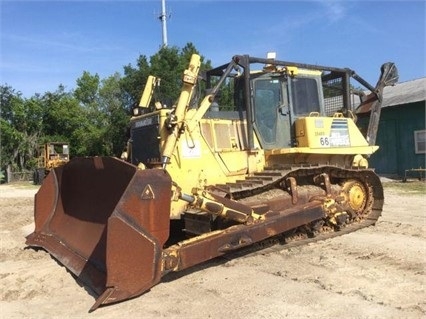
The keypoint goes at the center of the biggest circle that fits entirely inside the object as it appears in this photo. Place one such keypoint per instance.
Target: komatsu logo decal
(339, 134)
(144, 122)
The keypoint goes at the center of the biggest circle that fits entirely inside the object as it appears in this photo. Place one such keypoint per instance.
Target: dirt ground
(377, 272)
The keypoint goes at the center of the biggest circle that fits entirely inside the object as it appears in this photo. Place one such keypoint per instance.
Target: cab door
(272, 112)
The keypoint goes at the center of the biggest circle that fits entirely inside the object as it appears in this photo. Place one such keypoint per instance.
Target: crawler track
(254, 187)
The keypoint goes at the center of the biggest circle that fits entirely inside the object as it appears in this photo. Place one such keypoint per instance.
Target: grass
(410, 186)
(23, 184)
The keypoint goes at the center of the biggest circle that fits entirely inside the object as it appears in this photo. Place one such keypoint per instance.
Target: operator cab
(279, 100)
(271, 96)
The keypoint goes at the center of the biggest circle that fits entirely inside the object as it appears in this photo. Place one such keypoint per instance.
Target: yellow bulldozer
(51, 155)
(284, 160)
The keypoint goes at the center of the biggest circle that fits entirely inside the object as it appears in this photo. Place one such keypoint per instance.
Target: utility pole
(163, 18)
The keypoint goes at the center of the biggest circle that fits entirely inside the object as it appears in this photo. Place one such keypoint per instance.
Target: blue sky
(47, 43)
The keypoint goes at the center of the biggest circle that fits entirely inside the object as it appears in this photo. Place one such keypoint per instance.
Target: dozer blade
(106, 221)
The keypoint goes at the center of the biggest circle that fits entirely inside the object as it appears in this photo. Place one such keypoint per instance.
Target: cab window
(304, 95)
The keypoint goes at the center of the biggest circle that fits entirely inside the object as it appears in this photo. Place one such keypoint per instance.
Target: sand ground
(377, 272)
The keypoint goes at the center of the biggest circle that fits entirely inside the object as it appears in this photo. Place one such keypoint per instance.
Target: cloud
(335, 10)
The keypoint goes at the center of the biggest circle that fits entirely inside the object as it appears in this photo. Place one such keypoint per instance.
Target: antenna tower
(163, 17)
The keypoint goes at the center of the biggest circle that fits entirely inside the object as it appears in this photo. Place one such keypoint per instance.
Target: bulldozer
(284, 159)
(51, 155)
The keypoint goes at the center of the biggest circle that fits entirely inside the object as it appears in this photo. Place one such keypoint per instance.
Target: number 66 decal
(324, 141)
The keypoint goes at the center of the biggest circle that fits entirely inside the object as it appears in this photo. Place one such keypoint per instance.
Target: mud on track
(377, 272)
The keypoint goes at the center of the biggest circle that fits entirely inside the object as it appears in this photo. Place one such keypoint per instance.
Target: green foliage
(88, 136)
(10, 139)
(167, 64)
(113, 100)
(134, 80)
(87, 89)
(94, 117)
(20, 127)
(62, 116)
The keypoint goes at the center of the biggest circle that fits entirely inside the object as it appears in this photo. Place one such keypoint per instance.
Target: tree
(87, 89)
(167, 64)
(62, 117)
(21, 128)
(134, 81)
(9, 142)
(103, 105)
(113, 101)
(93, 118)
(90, 137)
(7, 95)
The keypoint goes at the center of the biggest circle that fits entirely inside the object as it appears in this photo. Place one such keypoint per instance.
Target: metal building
(402, 129)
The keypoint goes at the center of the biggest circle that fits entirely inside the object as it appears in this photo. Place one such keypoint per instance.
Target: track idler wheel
(356, 197)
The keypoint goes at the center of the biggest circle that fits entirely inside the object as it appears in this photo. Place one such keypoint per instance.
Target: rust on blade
(90, 216)
(194, 251)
